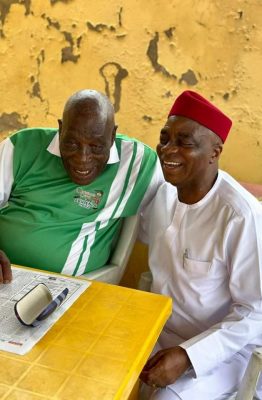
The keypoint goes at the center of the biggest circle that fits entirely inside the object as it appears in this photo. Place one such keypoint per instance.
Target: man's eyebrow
(186, 135)
(96, 139)
(71, 131)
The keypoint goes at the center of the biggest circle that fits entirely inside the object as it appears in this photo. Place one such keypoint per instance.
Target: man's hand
(165, 367)
(5, 269)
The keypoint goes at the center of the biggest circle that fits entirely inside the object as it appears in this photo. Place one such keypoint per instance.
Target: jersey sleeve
(6, 170)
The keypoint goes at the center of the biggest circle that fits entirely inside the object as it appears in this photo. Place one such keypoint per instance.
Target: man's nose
(84, 153)
(170, 148)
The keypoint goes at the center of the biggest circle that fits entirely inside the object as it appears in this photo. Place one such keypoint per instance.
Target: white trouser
(218, 384)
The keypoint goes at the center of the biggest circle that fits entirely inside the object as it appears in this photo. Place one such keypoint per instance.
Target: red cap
(193, 106)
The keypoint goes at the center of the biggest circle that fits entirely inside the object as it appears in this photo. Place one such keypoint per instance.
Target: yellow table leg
(134, 394)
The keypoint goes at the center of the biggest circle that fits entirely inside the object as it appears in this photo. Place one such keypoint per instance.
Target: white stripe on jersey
(118, 184)
(132, 179)
(90, 241)
(76, 248)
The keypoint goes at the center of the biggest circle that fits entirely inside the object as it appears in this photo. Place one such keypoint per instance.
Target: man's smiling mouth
(83, 172)
(172, 164)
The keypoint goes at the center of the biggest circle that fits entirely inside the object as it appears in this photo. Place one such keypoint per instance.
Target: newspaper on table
(19, 339)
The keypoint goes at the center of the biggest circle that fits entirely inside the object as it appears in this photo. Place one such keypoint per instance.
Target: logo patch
(88, 199)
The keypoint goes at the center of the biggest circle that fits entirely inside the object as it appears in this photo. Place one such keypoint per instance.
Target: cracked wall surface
(142, 55)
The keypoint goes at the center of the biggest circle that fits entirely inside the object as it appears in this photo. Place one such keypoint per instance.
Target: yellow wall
(143, 54)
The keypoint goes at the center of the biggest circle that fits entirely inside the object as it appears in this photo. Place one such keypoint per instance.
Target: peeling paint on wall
(189, 77)
(52, 2)
(68, 52)
(113, 75)
(120, 16)
(167, 94)
(5, 9)
(147, 118)
(100, 27)
(11, 122)
(169, 32)
(36, 89)
(51, 23)
(152, 53)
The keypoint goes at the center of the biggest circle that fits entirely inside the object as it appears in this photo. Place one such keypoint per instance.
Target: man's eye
(97, 149)
(187, 144)
(71, 145)
(163, 139)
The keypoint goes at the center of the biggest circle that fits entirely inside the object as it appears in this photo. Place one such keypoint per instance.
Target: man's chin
(81, 179)
(171, 179)
(82, 182)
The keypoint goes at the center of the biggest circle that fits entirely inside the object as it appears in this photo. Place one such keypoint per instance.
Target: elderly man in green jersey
(64, 192)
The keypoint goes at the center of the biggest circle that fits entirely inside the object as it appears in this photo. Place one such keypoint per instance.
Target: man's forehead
(92, 129)
(184, 123)
(88, 127)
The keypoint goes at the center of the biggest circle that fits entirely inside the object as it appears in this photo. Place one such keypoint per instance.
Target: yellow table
(94, 352)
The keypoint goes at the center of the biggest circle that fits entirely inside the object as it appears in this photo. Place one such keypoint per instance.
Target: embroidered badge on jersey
(88, 199)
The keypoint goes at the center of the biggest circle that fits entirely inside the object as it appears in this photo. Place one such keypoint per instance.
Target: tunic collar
(206, 198)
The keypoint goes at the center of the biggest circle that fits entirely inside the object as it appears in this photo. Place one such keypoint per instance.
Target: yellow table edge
(133, 375)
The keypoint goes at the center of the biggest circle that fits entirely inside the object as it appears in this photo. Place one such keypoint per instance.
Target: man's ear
(217, 150)
(114, 134)
(60, 126)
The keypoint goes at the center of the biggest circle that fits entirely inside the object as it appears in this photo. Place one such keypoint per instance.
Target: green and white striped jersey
(51, 223)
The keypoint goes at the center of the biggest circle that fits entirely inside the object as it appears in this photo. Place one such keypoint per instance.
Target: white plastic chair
(145, 281)
(247, 388)
(114, 270)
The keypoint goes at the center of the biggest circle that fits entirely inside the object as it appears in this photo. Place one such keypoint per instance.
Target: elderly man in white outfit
(204, 233)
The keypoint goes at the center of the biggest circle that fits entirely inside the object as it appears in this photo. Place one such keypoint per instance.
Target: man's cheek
(158, 149)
